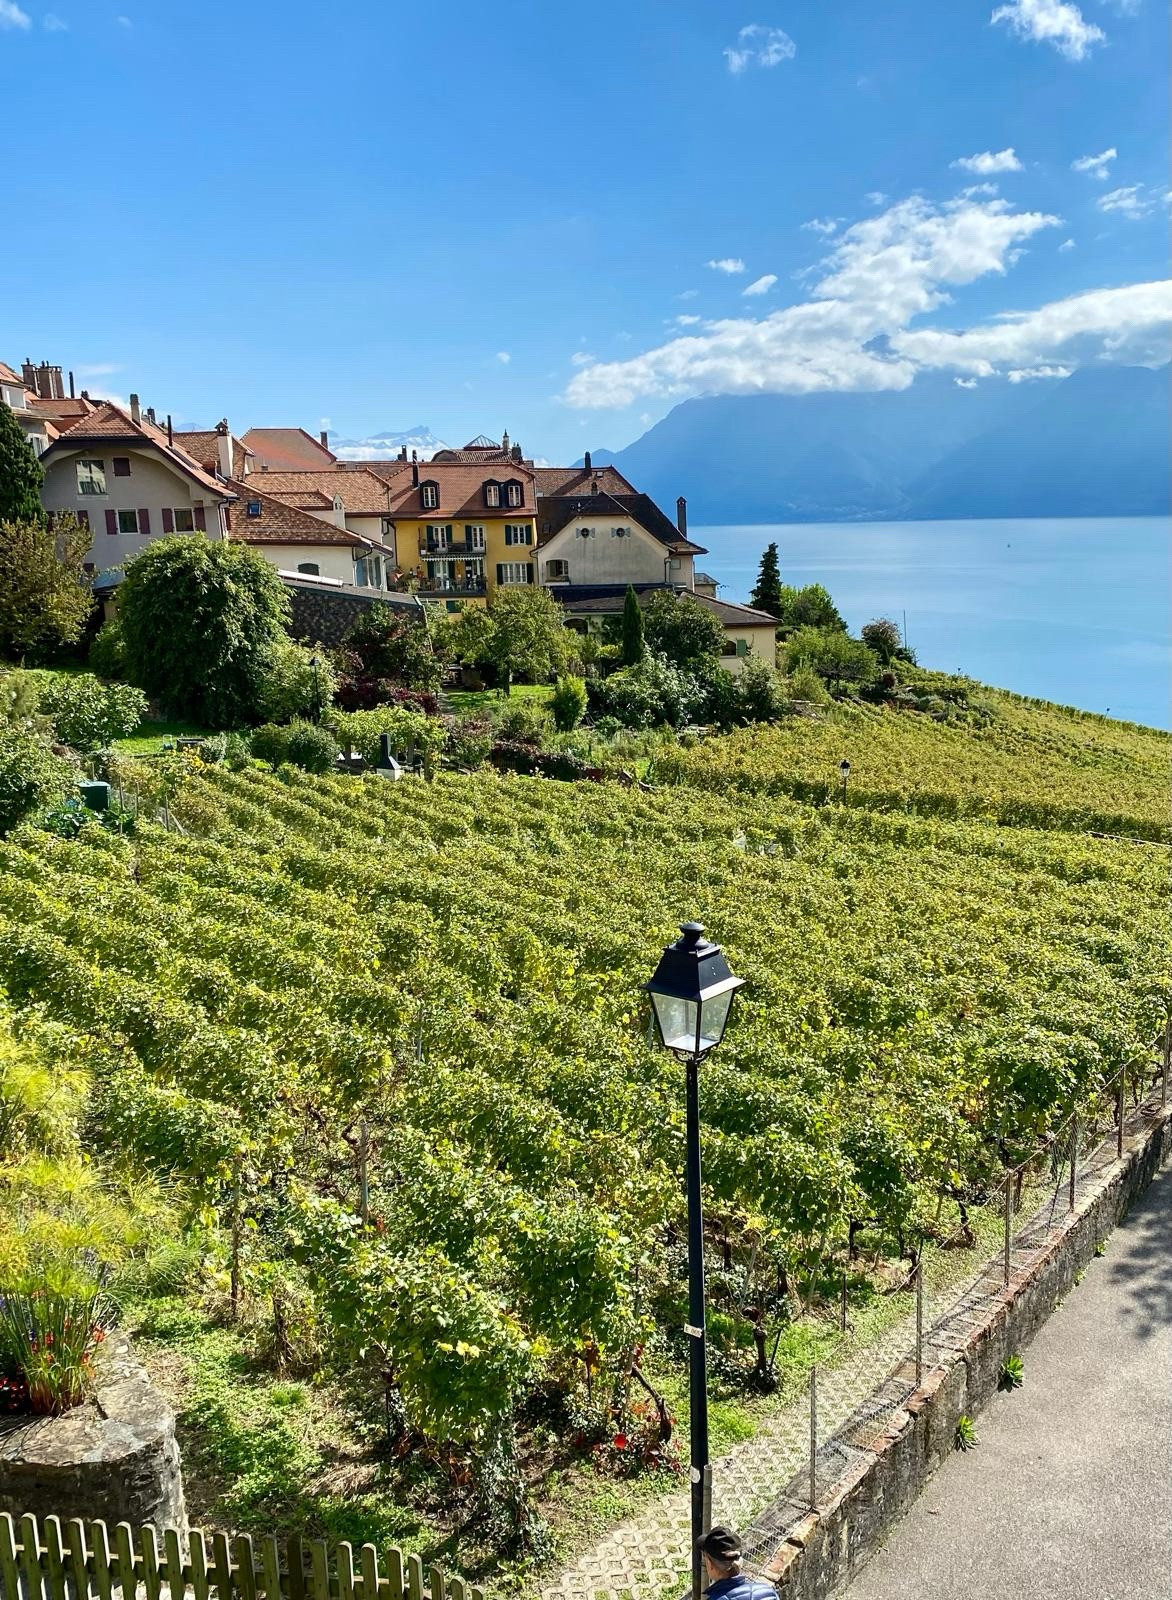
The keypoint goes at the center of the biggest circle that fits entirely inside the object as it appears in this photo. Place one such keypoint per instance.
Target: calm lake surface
(1075, 611)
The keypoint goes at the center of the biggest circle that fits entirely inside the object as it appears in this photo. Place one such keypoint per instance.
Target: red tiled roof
(555, 511)
(201, 446)
(64, 413)
(287, 449)
(279, 523)
(363, 494)
(12, 379)
(108, 423)
(576, 480)
(307, 499)
(461, 488)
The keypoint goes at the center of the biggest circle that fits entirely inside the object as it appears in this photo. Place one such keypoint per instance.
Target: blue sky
(476, 217)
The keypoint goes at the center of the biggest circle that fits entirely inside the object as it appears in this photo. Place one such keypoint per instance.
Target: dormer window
(514, 493)
(254, 508)
(429, 494)
(492, 493)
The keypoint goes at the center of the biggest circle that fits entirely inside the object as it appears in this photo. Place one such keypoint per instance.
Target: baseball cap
(720, 1543)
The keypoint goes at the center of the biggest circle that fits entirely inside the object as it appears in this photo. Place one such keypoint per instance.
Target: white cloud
(325, 424)
(688, 294)
(582, 358)
(730, 264)
(98, 369)
(686, 321)
(503, 357)
(1131, 202)
(965, 383)
(875, 197)
(989, 162)
(53, 23)
(124, 22)
(1095, 166)
(1055, 22)
(972, 189)
(1130, 324)
(758, 46)
(11, 16)
(1027, 374)
(822, 225)
(881, 274)
(761, 285)
(1067, 244)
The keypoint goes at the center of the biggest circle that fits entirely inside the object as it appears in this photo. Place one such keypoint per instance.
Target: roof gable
(108, 424)
(260, 518)
(288, 449)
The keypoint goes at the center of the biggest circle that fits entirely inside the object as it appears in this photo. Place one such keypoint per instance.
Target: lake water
(1074, 611)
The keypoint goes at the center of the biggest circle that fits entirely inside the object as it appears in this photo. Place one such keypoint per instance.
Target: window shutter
(111, 521)
(200, 520)
(500, 574)
(83, 517)
(168, 520)
(144, 522)
(529, 575)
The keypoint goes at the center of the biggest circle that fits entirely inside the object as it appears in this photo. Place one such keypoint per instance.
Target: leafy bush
(833, 655)
(202, 623)
(237, 753)
(681, 629)
(649, 695)
(1012, 1374)
(392, 644)
(760, 691)
(213, 749)
(805, 685)
(810, 607)
(965, 1437)
(270, 743)
(89, 714)
(31, 776)
(45, 597)
(569, 703)
(107, 653)
(359, 732)
(311, 748)
(469, 742)
(51, 1324)
(20, 696)
(298, 683)
(882, 636)
(522, 722)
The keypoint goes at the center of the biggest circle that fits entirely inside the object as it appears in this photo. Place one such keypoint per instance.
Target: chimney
(403, 453)
(223, 448)
(517, 456)
(28, 375)
(586, 465)
(325, 438)
(682, 516)
(150, 415)
(135, 413)
(505, 441)
(56, 387)
(72, 396)
(170, 430)
(414, 470)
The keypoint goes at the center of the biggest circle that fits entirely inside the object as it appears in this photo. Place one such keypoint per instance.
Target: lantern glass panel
(677, 1021)
(713, 1019)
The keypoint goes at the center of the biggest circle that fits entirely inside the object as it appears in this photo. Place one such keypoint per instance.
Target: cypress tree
(766, 596)
(21, 475)
(634, 645)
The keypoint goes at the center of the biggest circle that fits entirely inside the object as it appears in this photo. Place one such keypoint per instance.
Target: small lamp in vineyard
(844, 772)
(692, 994)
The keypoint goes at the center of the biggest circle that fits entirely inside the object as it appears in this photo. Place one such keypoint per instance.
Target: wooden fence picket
(87, 1561)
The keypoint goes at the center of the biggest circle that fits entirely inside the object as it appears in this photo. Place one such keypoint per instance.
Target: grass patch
(464, 701)
(149, 738)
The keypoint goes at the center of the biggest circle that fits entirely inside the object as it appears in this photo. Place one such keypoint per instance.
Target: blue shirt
(742, 1587)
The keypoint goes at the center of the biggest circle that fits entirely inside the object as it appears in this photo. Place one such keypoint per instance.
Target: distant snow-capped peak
(384, 446)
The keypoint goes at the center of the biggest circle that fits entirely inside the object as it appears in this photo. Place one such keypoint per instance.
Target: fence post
(1120, 1110)
(1073, 1157)
(813, 1437)
(1008, 1225)
(1167, 1062)
(920, 1319)
(707, 1496)
(842, 1304)
(237, 1233)
(364, 1173)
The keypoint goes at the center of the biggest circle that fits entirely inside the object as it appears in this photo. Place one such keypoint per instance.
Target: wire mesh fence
(849, 1401)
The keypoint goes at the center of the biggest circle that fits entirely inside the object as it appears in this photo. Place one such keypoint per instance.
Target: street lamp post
(691, 994)
(316, 690)
(844, 772)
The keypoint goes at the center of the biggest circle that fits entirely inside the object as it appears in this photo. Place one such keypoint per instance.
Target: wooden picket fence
(48, 1560)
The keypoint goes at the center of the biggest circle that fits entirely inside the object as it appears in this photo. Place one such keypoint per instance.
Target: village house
(747, 632)
(125, 477)
(462, 529)
(289, 450)
(358, 502)
(594, 527)
(304, 544)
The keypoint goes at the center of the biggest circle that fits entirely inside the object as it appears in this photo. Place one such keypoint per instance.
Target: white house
(129, 481)
(37, 430)
(597, 530)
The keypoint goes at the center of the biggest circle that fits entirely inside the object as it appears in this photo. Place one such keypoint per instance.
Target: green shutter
(500, 574)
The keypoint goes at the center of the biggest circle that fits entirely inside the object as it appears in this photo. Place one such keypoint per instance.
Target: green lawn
(149, 738)
(465, 700)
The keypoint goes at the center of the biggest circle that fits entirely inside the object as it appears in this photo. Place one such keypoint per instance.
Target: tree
(201, 626)
(21, 474)
(634, 644)
(31, 776)
(680, 628)
(531, 639)
(89, 714)
(810, 607)
(568, 703)
(766, 595)
(44, 596)
(392, 645)
(833, 655)
(883, 638)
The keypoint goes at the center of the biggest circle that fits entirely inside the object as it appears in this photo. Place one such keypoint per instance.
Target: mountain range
(384, 446)
(1094, 443)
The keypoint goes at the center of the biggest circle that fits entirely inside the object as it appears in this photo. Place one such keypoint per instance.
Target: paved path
(1069, 1495)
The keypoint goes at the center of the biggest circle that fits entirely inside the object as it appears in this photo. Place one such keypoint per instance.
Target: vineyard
(389, 1041)
(1026, 764)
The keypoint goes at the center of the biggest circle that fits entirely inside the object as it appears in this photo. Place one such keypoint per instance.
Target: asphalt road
(1069, 1494)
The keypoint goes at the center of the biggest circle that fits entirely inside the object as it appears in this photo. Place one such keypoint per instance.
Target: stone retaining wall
(325, 616)
(830, 1546)
(115, 1457)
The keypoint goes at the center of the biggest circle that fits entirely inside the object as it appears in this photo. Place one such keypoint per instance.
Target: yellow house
(462, 529)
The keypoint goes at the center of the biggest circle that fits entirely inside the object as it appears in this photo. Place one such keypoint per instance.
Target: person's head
(721, 1550)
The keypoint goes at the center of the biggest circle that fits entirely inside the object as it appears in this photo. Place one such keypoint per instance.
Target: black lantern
(844, 772)
(692, 993)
